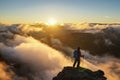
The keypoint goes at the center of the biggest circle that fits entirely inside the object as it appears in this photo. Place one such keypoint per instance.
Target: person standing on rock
(77, 54)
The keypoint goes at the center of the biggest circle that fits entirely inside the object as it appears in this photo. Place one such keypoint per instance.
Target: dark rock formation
(70, 73)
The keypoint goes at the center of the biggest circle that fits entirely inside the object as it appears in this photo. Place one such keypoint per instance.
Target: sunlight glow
(52, 21)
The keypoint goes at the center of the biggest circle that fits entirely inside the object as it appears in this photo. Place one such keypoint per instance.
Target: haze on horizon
(64, 11)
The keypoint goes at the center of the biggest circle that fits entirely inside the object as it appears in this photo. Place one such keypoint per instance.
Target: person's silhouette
(77, 55)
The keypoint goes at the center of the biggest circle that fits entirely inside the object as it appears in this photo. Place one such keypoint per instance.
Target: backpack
(75, 54)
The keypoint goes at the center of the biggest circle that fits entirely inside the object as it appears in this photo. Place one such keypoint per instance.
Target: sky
(64, 11)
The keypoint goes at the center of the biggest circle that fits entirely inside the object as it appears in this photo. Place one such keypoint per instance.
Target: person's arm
(81, 55)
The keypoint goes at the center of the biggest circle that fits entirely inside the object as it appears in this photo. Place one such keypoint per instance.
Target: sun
(52, 21)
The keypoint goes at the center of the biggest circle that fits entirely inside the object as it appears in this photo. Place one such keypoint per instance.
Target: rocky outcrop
(70, 73)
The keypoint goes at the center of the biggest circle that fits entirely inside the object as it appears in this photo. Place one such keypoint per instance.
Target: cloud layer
(37, 61)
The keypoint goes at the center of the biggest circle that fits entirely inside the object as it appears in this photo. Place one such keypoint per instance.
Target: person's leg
(74, 62)
(78, 63)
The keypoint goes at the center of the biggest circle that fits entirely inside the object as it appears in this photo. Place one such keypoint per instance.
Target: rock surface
(70, 73)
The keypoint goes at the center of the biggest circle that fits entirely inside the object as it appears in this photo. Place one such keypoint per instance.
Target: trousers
(77, 61)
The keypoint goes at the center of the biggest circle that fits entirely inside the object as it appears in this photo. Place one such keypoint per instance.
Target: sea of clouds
(43, 61)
